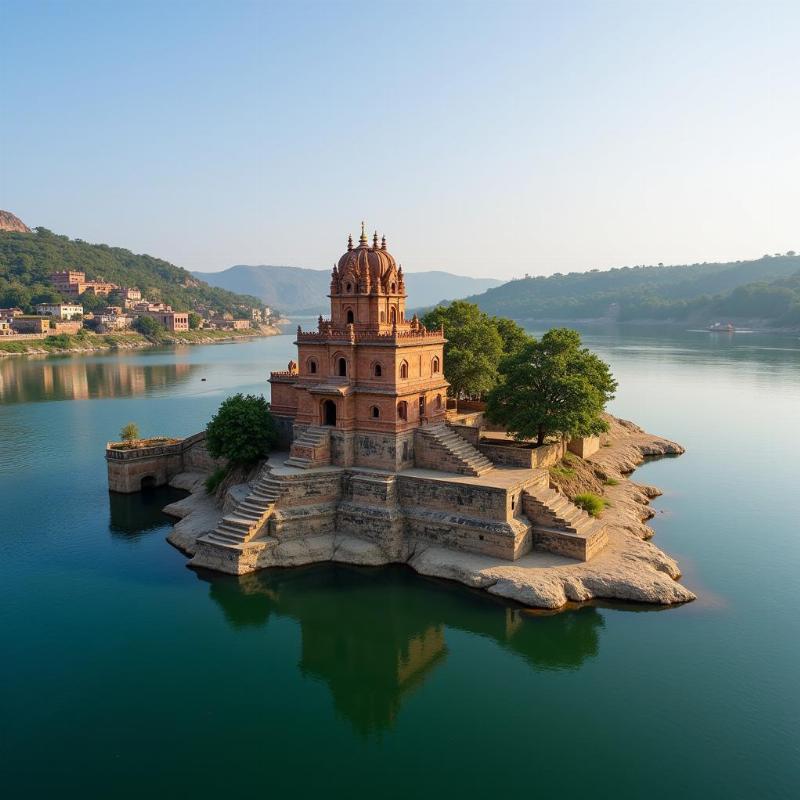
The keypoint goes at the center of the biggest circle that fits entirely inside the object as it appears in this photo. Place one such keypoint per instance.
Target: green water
(125, 674)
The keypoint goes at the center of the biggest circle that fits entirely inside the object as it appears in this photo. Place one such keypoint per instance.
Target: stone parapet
(136, 468)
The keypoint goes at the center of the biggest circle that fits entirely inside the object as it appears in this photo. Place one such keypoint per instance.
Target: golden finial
(363, 239)
(375, 240)
(383, 242)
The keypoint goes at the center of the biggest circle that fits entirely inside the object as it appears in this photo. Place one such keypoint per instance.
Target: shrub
(215, 479)
(130, 432)
(610, 482)
(149, 327)
(61, 341)
(242, 430)
(590, 503)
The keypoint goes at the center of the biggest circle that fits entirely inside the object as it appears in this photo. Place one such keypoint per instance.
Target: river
(125, 674)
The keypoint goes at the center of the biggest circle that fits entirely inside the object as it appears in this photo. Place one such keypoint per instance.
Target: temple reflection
(66, 378)
(375, 635)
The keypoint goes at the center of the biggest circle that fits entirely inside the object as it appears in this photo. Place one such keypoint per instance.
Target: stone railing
(366, 337)
(151, 451)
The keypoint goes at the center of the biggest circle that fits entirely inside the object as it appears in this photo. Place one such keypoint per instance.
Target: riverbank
(93, 342)
(629, 568)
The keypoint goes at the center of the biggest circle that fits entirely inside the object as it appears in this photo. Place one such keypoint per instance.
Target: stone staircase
(250, 515)
(312, 448)
(561, 527)
(450, 452)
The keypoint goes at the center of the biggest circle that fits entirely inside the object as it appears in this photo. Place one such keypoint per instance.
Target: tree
(513, 335)
(552, 386)
(149, 327)
(242, 431)
(194, 320)
(130, 432)
(473, 350)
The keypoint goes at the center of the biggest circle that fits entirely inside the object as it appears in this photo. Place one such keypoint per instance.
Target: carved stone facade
(367, 373)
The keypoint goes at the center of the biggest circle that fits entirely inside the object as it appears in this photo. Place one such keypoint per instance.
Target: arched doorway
(329, 413)
(342, 367)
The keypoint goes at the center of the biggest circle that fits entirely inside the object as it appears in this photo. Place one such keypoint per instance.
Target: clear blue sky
(483, 138)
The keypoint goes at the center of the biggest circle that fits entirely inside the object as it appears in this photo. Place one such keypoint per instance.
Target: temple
(374, 466)
(367, 378)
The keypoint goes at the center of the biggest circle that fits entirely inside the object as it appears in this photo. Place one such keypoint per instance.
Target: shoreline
(137, 342)
(630, 568)
(743, 326)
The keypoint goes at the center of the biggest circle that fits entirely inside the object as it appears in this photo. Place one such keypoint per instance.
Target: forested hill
(28, 259)
(760, 289)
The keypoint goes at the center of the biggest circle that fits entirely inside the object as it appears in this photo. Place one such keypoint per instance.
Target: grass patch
(610, 482)
(563, 468)
(591, 503)
(213, 481)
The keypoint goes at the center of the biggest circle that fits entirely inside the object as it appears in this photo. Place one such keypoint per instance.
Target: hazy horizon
(488, 140)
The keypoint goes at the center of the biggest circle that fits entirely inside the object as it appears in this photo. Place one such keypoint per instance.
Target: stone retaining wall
(133, 469)
(509, 455)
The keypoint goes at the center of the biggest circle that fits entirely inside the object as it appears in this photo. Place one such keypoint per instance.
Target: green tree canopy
(242, 431)
(552, 386)
(473, 350)
(513, 335)
(148, 326)
(194, 320)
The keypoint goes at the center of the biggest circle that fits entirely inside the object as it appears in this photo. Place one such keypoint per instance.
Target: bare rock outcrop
(10, 222)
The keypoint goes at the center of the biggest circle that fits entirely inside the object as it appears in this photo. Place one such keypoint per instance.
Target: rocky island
(376, 466)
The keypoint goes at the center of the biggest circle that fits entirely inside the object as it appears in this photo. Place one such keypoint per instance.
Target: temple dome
(368, 265)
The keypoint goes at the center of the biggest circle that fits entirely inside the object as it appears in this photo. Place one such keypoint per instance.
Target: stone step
(241, 523)
(228, 535)
(293, 461)
(259, 509)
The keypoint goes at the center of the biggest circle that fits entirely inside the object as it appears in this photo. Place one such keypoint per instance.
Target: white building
(60, 310)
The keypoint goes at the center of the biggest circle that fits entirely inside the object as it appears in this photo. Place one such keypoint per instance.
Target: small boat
(721, 327)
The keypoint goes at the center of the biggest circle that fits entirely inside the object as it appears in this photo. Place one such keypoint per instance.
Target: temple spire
(350, 242)
(363, 239)
(375, 240)
(383, 243)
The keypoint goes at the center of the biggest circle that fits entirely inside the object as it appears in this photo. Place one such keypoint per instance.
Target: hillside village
(42, 301)
(125, 308)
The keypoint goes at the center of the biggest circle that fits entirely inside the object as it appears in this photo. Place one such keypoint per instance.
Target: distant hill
(299, 290)
(692, 292)
(28, 258)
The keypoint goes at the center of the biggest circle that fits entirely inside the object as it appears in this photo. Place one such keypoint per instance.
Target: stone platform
(373, 517)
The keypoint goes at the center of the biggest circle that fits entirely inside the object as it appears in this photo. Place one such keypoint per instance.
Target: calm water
(125, 674)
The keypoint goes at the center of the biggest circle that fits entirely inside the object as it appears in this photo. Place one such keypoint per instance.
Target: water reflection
(375, 635)
(132, 515)
(35, 379)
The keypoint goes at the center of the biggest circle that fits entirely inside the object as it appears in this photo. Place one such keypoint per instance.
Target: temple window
(402, 410)
(349, 287)
(383, 316)
(377, 370)
(312, 366)
(403, 370)
(375, 411)
(435, 364)
(438, 401)
(350, 317)
(394, 288)
(393, 316)
(342, 367)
